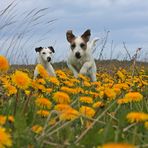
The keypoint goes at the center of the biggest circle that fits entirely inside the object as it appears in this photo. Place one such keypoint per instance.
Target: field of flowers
(66, 112)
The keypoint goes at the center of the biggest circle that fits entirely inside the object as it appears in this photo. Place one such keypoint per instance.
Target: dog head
(78, 45)
(45, 53)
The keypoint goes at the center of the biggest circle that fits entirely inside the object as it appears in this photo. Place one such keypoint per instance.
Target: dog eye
(73, 46)
(82, 45)
(43, 53)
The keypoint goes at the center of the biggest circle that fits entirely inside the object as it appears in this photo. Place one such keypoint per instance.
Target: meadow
(66, 112)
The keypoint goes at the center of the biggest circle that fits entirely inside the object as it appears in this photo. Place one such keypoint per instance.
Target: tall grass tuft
(22, 30)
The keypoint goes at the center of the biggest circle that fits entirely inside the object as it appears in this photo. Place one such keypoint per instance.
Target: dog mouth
(48, 59)
(78, 57)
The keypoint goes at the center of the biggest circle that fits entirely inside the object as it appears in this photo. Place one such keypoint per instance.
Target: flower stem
(15, 104)
(134, 135)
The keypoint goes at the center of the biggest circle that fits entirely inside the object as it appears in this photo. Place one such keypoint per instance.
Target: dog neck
(42, 62)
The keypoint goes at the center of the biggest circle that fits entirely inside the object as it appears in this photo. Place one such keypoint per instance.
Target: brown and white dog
(80, 59)
(44, 58)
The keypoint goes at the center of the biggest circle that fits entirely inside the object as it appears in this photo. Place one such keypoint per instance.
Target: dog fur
(80, 59)
(44, 58)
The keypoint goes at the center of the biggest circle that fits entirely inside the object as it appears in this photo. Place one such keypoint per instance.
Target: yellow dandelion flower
(41, 81)
(43, 103)
(54, 81)
(106, 80)
(118, 145)
(48, 90)
(123, 101)
(87, 111)
(124, 71)
(136, 117)
(117, 90)
(93, 94)
(61, 74)
(84, 78)
(134, 96)
(86, 83)
(4, 79)
(75, 81)
(21, 79)
(61, 107)
(98, 104)
(2, 120)
(43, 113)
(11, 119)
(121, 75)
(42, 71)
(79, 90)
(37, 129)
(68, 90)
(27, 92)
(5, 138)
(41, 87)
(146, 124)
(66, 112)
(101, 88)
(101, 94)
(130, 97)
(87, 92)
(118, 85)
(61, 97)
(110, 93)
(69, 114)
(11, 89)
(4, 65)
(86, 99)
(37, 86)
(124, 86)
(97, 84)
(144, 82)
(68, 83)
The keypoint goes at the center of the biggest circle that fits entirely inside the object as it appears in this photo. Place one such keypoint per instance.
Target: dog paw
(76, 75)
(83, 71)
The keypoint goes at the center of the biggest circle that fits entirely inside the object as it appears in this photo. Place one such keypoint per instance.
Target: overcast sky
(127, 20)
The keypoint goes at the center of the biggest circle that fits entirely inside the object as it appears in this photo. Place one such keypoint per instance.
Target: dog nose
(77, 54)
(48, 59)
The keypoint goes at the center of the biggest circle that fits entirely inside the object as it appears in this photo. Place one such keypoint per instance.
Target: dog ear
(70, 36)
(86, 35)
(38, 49)
(52, 49)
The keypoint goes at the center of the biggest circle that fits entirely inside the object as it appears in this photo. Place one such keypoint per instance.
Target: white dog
(80, 59)
(44, 58)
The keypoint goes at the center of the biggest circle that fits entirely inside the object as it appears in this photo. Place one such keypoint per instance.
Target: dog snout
(48, 59)
(78, 55)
